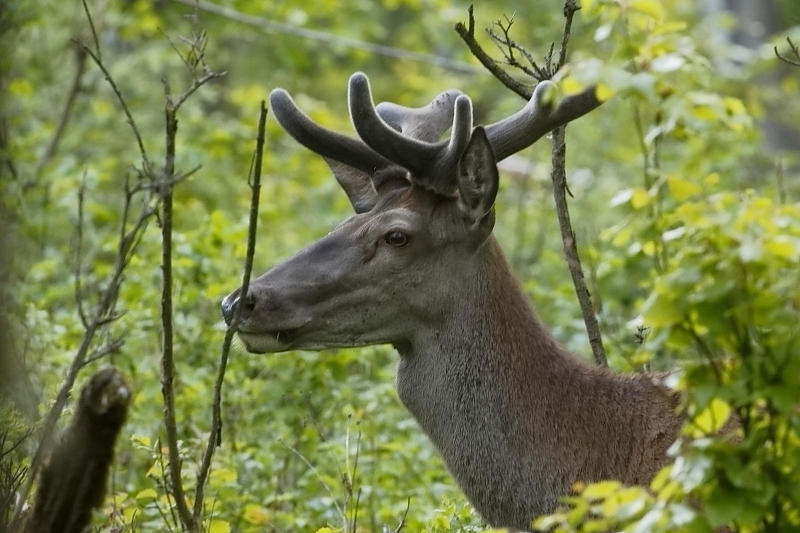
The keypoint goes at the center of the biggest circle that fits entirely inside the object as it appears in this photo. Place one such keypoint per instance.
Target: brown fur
(518, 419)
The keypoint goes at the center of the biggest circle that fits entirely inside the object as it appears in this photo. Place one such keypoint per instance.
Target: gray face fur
(380, 276)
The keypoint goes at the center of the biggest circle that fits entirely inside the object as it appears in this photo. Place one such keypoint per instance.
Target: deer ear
(357, 185)
(477, 177)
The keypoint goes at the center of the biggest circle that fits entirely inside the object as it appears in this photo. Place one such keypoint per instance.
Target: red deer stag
(516, 418)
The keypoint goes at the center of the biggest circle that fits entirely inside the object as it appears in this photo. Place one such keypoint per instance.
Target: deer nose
(230, 302)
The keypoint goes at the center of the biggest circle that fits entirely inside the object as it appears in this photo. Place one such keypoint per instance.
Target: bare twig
(189, 518)
(172, 521)
(95, 55)
(319, 476)
(571, 248)
(405, 515)
(90, 20)
(795, 51)
(569, 108)
(467, 33)
(104, 351)
(66, 113)
(78, 248)
(215, 434)
(354, 526)
(194, 60)
(560, 190)
(508, 46)
(570, 8)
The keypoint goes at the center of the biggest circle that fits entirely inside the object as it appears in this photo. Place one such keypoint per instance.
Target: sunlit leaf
(681, 189)
(660, 310)
(222, 475)
(255, 514)
(218, 526)
(652, 8)
(601, 489)
(146, 494)
(711, 419)
(570, 86)
(603, 92)
(639, 198)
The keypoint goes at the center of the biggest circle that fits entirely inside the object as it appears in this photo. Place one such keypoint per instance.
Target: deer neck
(488, 342)
(487, 385)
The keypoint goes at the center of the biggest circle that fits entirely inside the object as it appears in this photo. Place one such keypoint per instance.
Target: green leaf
(711, 419)
(652, 8)
(146, 494)
(661, 310)
(601, 489)
(682, 189)
(219, 526)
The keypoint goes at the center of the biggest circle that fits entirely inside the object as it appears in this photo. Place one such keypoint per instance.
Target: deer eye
(396, 239)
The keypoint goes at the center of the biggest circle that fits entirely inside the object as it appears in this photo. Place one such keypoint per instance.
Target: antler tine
(426, 123)
(322, 141)
(537, 119)
(431, 164)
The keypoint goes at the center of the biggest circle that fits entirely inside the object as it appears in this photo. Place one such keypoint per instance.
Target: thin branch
(354, 527)
(215, 434)
(196, 84)
(104, 351)
(508, 46)
(571, 248)
(66, 113)
(570, 8)
(188, 520)
(165, 485)
(191, 519)
(98, 61)
(794, 49)
(79, 253)
(405, 515)
(560, 190)
(90, 19)
(319, 476)
(467, 34)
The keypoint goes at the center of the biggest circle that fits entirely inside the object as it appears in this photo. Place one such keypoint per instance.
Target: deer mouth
(268, 341)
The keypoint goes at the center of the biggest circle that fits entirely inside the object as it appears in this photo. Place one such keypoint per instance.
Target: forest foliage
(687, 215)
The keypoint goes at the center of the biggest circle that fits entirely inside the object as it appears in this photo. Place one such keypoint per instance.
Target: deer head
(423, 205)
(515, 417)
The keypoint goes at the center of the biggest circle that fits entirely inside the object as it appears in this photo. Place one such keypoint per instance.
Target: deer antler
(537, 119)
(432, 164)
(325, 142)
(426, 123)
(423, 123)
(394, 135)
